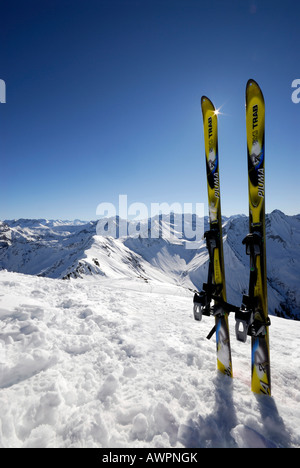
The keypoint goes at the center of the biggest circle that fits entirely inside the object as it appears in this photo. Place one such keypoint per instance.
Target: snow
(64, 249)
(120, 362)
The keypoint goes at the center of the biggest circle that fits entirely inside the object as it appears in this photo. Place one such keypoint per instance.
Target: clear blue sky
(103, 98)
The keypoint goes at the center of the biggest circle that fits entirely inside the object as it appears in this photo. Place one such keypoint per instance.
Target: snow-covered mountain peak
(155, 249)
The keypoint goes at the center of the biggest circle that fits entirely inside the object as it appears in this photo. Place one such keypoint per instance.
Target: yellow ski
(212, 299)
(252, 319)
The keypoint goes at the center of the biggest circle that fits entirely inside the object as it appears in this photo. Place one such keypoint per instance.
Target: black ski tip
(254, 83)
(206, 99)
(251, 82)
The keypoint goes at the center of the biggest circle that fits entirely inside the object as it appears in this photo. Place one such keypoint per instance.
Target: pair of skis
(252, 317)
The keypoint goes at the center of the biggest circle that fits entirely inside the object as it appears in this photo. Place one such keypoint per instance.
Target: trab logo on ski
(212, 154)
(255, 116)
(210, 128)
(257, 151)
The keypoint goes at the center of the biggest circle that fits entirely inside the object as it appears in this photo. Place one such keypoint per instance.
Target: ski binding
(246, 324)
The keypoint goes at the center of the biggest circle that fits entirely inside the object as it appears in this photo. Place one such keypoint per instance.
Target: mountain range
(155, 250)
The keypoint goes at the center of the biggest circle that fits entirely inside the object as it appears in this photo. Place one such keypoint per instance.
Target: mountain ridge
(73, 249)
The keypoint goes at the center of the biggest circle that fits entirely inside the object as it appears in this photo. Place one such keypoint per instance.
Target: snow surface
(111, 362)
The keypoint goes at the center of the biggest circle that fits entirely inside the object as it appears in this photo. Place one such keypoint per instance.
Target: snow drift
(97, 362)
